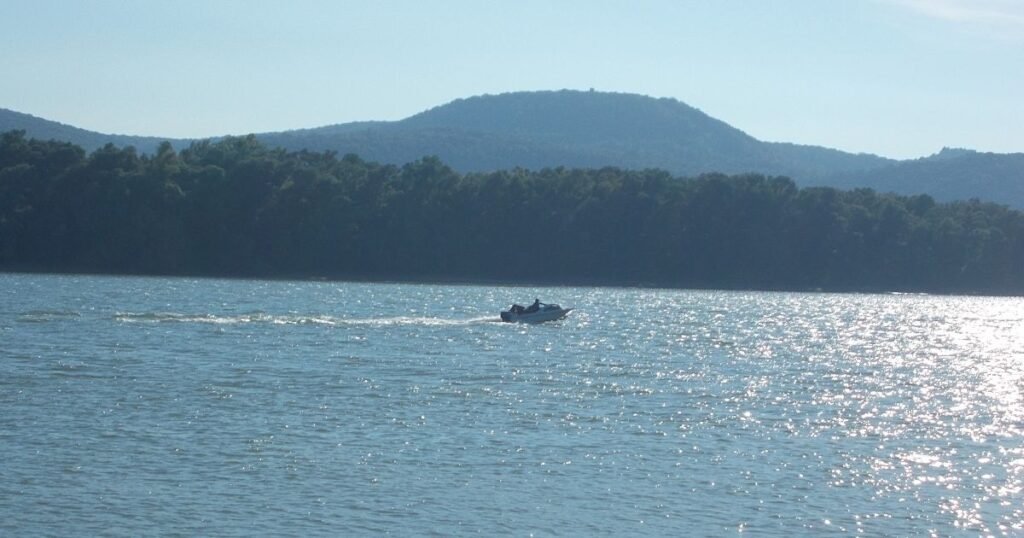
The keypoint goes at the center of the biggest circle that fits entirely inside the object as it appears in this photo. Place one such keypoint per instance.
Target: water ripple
(246, 407)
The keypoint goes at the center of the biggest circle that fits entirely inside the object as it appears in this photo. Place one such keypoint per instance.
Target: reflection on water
(238, 407)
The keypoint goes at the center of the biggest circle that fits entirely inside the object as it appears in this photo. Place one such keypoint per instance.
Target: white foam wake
(292, 319)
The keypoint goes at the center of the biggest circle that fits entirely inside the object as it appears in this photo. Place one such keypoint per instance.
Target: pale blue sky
(900, 78)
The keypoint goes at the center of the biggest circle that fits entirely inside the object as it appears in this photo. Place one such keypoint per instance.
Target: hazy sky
(899, 78)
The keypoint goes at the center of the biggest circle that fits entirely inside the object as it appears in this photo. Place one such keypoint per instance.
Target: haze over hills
(592, 129)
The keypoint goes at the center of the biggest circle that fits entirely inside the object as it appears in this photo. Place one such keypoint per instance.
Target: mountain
(89, 140)
(576, 129)
(952, 174)
(567, 128)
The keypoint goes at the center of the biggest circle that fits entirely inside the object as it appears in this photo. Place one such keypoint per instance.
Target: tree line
(234, 207)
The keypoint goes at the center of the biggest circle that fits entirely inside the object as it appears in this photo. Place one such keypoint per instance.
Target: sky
(898, 78)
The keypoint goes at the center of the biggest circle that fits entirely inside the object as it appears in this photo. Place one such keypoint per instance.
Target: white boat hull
(545, 314)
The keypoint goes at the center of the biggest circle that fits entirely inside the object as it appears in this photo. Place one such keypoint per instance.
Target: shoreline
(497, 282)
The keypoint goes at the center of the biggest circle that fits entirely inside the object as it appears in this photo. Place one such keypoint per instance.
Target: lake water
(138, 406)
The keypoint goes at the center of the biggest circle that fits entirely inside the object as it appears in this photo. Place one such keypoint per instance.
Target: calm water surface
(136, 406)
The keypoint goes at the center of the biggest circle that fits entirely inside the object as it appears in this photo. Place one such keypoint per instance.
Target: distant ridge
(952, 174)
(594, 129)
(574, 128)
(88, 140)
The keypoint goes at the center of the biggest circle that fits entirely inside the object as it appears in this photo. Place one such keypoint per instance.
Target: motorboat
(535, 313)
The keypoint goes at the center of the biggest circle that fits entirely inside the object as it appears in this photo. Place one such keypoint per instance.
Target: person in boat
(517, 309)
(534, 307)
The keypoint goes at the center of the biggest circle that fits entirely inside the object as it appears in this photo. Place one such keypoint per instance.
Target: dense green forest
(237, 208)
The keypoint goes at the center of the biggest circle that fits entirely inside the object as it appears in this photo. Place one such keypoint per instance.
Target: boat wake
(294, 319)
(43, 316)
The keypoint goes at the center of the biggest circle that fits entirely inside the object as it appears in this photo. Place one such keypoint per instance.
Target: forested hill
(90, 140)
(948, 175)
(237, 208)
(573, 128)
(535, 130)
